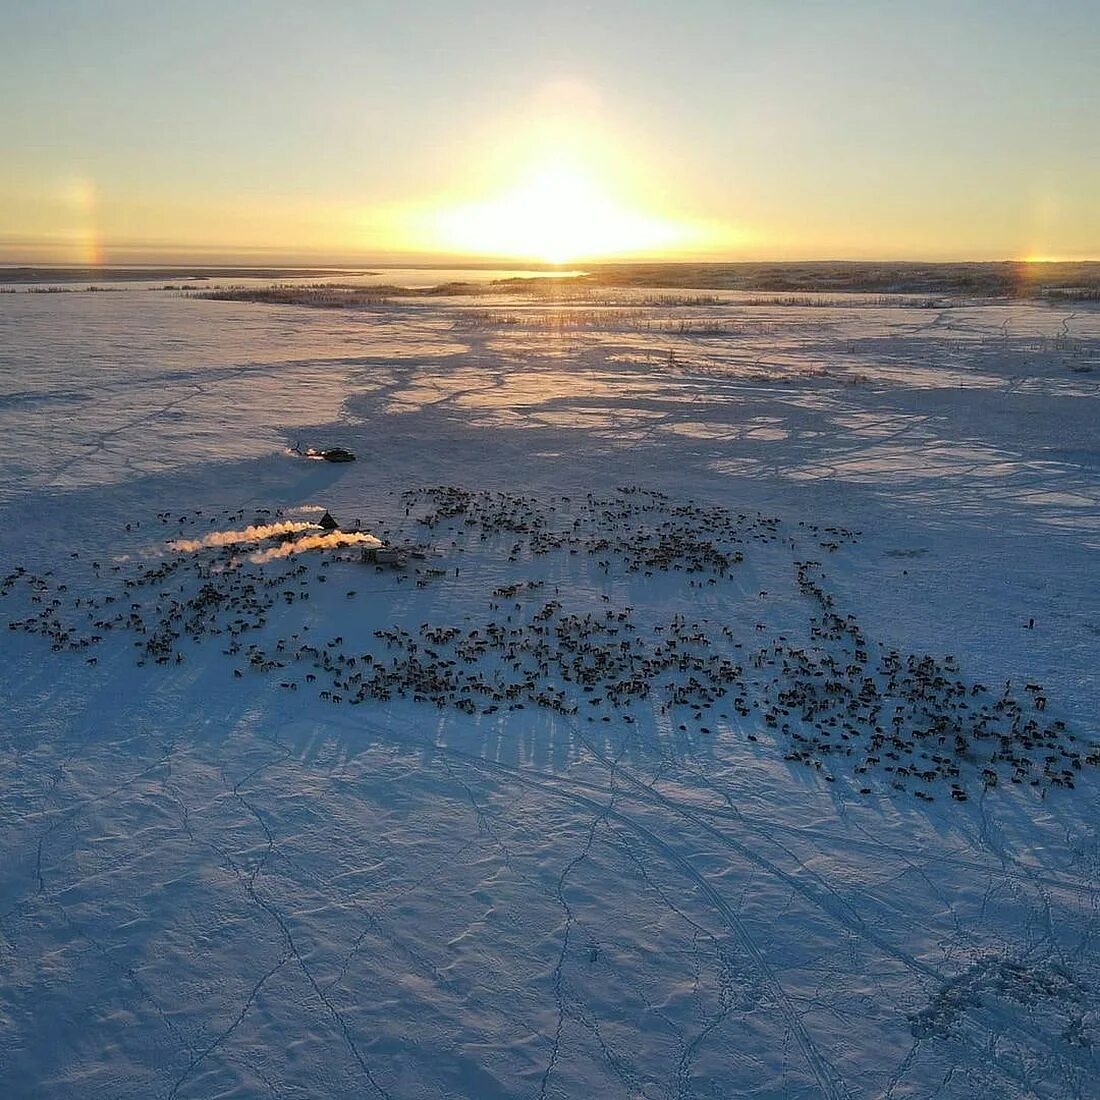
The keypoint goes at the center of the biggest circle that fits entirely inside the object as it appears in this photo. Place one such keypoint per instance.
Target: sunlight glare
(558, 213)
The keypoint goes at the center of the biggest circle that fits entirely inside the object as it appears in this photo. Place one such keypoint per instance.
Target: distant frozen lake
(413, 277)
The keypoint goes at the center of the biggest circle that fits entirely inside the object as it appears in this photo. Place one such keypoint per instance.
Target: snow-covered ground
(731, 737)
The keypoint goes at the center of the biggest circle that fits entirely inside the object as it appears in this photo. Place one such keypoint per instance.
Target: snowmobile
(329, 454)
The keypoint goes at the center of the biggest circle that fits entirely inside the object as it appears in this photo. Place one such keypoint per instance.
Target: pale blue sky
(932, 129)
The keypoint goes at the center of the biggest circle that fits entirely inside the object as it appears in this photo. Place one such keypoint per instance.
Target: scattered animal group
(826, 695)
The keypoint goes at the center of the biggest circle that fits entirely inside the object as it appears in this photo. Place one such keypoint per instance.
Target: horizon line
(248, 260)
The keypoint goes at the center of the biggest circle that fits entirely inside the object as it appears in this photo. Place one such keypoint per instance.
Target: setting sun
(558, 212)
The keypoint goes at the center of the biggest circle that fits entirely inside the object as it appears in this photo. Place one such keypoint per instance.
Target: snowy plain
(215, 884)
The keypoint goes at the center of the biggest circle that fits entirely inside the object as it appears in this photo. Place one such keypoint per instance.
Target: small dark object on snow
(385, 555)
(329, 454)
(328, 523)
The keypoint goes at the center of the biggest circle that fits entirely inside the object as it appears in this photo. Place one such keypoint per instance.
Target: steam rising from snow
(327, 541)
(315, 542)
(249, 534)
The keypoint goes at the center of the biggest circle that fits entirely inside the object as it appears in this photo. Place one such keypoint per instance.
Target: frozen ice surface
(215, 885)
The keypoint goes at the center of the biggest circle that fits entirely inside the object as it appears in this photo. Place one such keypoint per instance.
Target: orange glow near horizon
(558, 211)
(555, 180)
(82, 199)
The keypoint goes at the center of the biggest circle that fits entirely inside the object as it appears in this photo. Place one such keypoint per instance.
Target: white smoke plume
(249, 534)
(315, 542)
